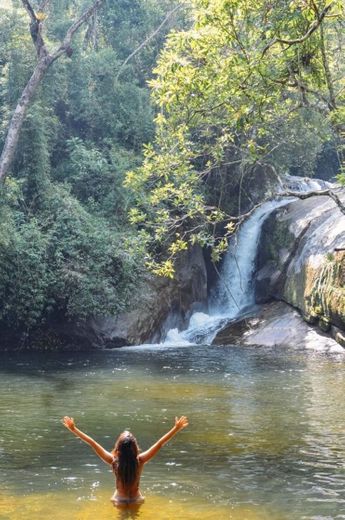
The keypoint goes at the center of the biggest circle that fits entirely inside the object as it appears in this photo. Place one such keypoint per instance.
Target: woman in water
(125, 459)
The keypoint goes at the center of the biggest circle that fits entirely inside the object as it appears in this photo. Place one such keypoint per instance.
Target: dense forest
(66, 245)
(109, 179)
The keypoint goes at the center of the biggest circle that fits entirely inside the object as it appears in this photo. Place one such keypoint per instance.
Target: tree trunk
(44, 61)
(18, 116)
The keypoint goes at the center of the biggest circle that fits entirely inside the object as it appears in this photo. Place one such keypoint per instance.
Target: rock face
(276, 325)
(301, 260)
(159, 305)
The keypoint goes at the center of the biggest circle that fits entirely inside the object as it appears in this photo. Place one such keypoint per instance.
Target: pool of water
(266, 439)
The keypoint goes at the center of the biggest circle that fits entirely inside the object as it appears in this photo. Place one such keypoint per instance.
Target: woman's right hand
(68, 422)
(181, 422)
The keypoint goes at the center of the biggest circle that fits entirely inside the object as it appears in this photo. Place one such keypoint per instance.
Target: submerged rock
(276, 324)
(301, 260)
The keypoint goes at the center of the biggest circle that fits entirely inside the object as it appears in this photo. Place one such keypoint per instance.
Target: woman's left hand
(68, 422)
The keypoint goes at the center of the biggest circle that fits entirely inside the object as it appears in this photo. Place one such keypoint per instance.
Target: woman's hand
(68, 422)
(181, 422)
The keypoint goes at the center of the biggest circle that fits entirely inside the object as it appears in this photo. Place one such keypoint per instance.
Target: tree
(66, 249)
(44, 61)
(230, 93)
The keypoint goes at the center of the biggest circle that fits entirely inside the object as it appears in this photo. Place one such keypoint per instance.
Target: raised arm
(180, 423)
(105, 455)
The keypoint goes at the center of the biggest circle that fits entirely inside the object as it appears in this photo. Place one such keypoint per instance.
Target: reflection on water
(266, 438)
(61, 506)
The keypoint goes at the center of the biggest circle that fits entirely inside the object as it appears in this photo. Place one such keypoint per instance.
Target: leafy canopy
(245, 82)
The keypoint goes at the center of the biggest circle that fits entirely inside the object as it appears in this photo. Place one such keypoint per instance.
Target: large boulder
(159, 303)
(301, 260)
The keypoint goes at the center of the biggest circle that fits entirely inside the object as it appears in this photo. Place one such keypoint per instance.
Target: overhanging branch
(321, 193)
(238, 220)
(310, 31)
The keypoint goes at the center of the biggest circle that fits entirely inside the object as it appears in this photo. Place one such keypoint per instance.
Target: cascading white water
(234, 291)
(303, 184)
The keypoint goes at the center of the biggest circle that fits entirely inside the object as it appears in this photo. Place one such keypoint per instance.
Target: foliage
(227, 95)
(62, 259)
(236, 89)
(66, 247)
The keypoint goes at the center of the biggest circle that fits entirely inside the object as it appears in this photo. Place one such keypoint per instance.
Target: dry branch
(321, 193)
(148, 39)
(238, 220)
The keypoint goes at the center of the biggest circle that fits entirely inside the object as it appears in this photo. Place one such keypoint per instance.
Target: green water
(266, 439)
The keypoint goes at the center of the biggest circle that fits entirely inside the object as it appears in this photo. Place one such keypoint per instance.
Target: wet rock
(233, 331)
(324, 324)
(340, 338)
(301, 260)
(275, 324)
(338, 335)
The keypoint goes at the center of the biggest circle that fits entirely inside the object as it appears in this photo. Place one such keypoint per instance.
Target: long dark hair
(126, 451)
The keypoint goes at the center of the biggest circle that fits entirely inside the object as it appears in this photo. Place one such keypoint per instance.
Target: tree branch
(73, 29)
(43, 5)
(321, 193)
(149, 38)
(293, 194)
(29, 9)
(44, 61)
(312, 28)
(36, 30)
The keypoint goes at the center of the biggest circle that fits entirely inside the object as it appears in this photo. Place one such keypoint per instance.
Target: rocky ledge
(276, 324)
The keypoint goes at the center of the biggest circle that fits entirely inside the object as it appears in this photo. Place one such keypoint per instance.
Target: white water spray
(234, 292)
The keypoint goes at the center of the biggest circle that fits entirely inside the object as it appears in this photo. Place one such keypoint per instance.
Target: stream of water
(234, 293)
(266, 439)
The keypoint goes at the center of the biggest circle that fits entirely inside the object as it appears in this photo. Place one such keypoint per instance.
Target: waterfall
(234, 292)
(302, 184)
(233, 295)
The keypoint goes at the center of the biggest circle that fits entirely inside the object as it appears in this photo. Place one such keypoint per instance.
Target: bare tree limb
(321, 193)
(238, 220)
(91, 33)
(148, 39)
(320, 16)
(30, 10)
(74, 28)
(43, 5)
(36, 30)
